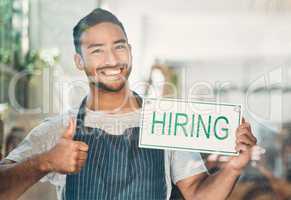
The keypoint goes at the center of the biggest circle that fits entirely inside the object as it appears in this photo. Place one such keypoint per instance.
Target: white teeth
(111, 72)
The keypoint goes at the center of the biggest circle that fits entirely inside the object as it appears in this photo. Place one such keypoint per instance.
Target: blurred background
(225, 51)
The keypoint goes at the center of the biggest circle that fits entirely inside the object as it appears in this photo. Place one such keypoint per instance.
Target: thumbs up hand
(67, 156)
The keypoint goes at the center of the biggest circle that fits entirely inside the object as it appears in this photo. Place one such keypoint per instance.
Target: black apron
(116, 168)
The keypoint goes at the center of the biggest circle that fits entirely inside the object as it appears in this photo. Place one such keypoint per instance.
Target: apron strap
(81, 115)
(138, 98)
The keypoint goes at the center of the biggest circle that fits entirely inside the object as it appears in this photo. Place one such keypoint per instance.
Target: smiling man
(98, 156)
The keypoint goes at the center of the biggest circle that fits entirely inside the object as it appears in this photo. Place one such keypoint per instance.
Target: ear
(79, 61)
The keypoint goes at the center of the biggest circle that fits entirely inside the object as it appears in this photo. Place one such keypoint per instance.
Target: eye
(120, 46)
(96, 51)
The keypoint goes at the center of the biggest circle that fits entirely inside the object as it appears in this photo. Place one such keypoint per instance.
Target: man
(99, 158)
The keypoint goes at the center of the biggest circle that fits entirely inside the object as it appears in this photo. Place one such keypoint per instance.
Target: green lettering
(222, 129)
(192, 128)
(181, 124)
(200, 122)
(170, 124)
(155, 121)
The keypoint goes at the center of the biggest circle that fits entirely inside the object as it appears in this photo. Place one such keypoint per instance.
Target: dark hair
(97, 16)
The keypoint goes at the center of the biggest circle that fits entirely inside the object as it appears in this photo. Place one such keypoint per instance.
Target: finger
(251, 136)
(82, 155)
(82, 146)
(244, 139)
(241, 131)
(77, 166)
(245, 131)
(69, 133)
(80, 164)
(241, 147)
(245, 125)
(72, 169)
(76, 169)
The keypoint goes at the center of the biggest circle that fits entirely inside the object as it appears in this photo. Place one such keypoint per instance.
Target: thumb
(243, 120)
(69, 133)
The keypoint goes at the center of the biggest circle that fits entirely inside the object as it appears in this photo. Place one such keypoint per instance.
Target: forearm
(218, 185)
(18, 177)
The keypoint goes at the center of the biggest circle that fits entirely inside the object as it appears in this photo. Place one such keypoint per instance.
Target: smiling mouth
(114, 71)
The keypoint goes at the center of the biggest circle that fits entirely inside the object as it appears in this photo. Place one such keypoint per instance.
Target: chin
(110, 87)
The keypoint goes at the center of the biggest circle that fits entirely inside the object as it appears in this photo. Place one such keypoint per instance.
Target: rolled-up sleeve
(37, 141)
(185, 164)
(40, 139)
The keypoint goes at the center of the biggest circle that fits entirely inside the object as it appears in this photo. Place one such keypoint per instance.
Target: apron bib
(116, 168)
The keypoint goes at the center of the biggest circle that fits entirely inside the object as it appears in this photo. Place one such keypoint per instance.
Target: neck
(114, 102)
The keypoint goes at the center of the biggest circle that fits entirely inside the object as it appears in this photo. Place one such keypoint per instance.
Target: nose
(110, 58)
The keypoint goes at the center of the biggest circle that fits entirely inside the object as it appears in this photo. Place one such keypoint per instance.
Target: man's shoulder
(53, 126)
(41, 138)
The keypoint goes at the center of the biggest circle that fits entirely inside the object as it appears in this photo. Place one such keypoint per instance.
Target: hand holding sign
(245, 141)
(68, 156)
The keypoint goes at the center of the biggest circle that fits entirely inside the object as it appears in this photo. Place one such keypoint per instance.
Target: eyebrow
(95, 45)
(100, 44)
(120, 41)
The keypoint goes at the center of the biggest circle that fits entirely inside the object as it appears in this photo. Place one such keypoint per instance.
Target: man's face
(106, 56)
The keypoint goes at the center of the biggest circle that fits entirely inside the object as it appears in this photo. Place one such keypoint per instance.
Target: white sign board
(178, 124)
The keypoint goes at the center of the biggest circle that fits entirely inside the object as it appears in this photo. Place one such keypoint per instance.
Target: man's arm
(203, 186)
(16, 178)
(220, 185)
(67, 156)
